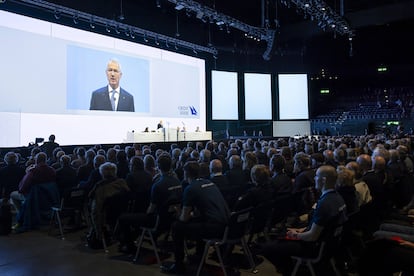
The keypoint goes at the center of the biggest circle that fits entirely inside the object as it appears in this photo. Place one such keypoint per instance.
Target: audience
(364, 171)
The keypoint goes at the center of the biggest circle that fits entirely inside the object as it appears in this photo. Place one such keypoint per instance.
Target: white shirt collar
(118, 89)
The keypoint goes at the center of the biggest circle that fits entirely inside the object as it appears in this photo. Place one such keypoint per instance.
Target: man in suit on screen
(112, 97)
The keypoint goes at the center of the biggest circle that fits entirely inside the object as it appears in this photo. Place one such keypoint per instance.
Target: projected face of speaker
(114, 74)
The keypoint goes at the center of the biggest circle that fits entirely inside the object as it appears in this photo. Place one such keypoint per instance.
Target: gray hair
(108, 170)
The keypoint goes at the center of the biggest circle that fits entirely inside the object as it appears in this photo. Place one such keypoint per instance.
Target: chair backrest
(114, 206)
(76, 198)
(260, 216)
(331, 237)
(283, 207)
(238, 224)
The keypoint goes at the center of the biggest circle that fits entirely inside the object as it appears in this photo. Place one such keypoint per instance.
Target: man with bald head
(329, 213)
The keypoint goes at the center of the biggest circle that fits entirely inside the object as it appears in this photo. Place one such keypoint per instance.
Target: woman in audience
(345, 187)
(139, 181)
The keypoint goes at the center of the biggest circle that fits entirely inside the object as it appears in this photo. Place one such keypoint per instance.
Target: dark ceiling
(383, 28)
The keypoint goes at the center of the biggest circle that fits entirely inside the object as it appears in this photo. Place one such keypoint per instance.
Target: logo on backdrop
(187, 110)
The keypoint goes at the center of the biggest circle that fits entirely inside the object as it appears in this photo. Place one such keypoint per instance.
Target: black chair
(72, 204)
(283, 207)
(234, 233)
(114, 206)
(261, 220)
(328, 245)
(162, 224)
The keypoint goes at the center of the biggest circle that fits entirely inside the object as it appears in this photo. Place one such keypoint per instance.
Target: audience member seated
(328, 214)
(281, 182)
(36, 175)
(85, 170)
(362, 189)
(304, 191)
(49, 146)
(10, 175)
(108, 187)
(261, 191)
(149, 165)
(122, 164)
(94, 176)
(345, 187)
(140, 182)
(79, 159)
(163, 192)
(66, 178)
(249, 160)
(204, 215)
(236, 178)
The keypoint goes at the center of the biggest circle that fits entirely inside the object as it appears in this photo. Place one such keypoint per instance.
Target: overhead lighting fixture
(92, 23)
(121, 16)
(179, 7)
(75, 19)
(111, 25)
(57, 14)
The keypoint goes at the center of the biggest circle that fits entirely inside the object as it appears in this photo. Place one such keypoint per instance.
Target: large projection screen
(258, 96)
(291, 128)
(293, 96)
(52, 70)
(225, 100)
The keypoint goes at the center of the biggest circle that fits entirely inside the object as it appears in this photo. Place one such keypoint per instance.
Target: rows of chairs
(243, 227)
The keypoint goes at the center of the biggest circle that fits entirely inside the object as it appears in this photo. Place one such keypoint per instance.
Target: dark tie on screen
(113, 98)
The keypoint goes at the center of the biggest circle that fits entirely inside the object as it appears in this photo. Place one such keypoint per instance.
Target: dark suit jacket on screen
(100, 100)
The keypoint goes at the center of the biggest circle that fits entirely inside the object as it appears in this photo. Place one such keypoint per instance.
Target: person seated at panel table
(160, 125)
(146, 129)
(197, 129)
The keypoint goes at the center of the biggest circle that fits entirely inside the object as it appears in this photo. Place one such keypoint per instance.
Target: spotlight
(156, 41)
(117, 30)
(166, 43)
(108, 30)
(91, 23)
(179, 7)
(145, 38)
(195, 51)
(132, 34)
(158, 3)
(75, 19)
(175, 45)
(57, 14)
